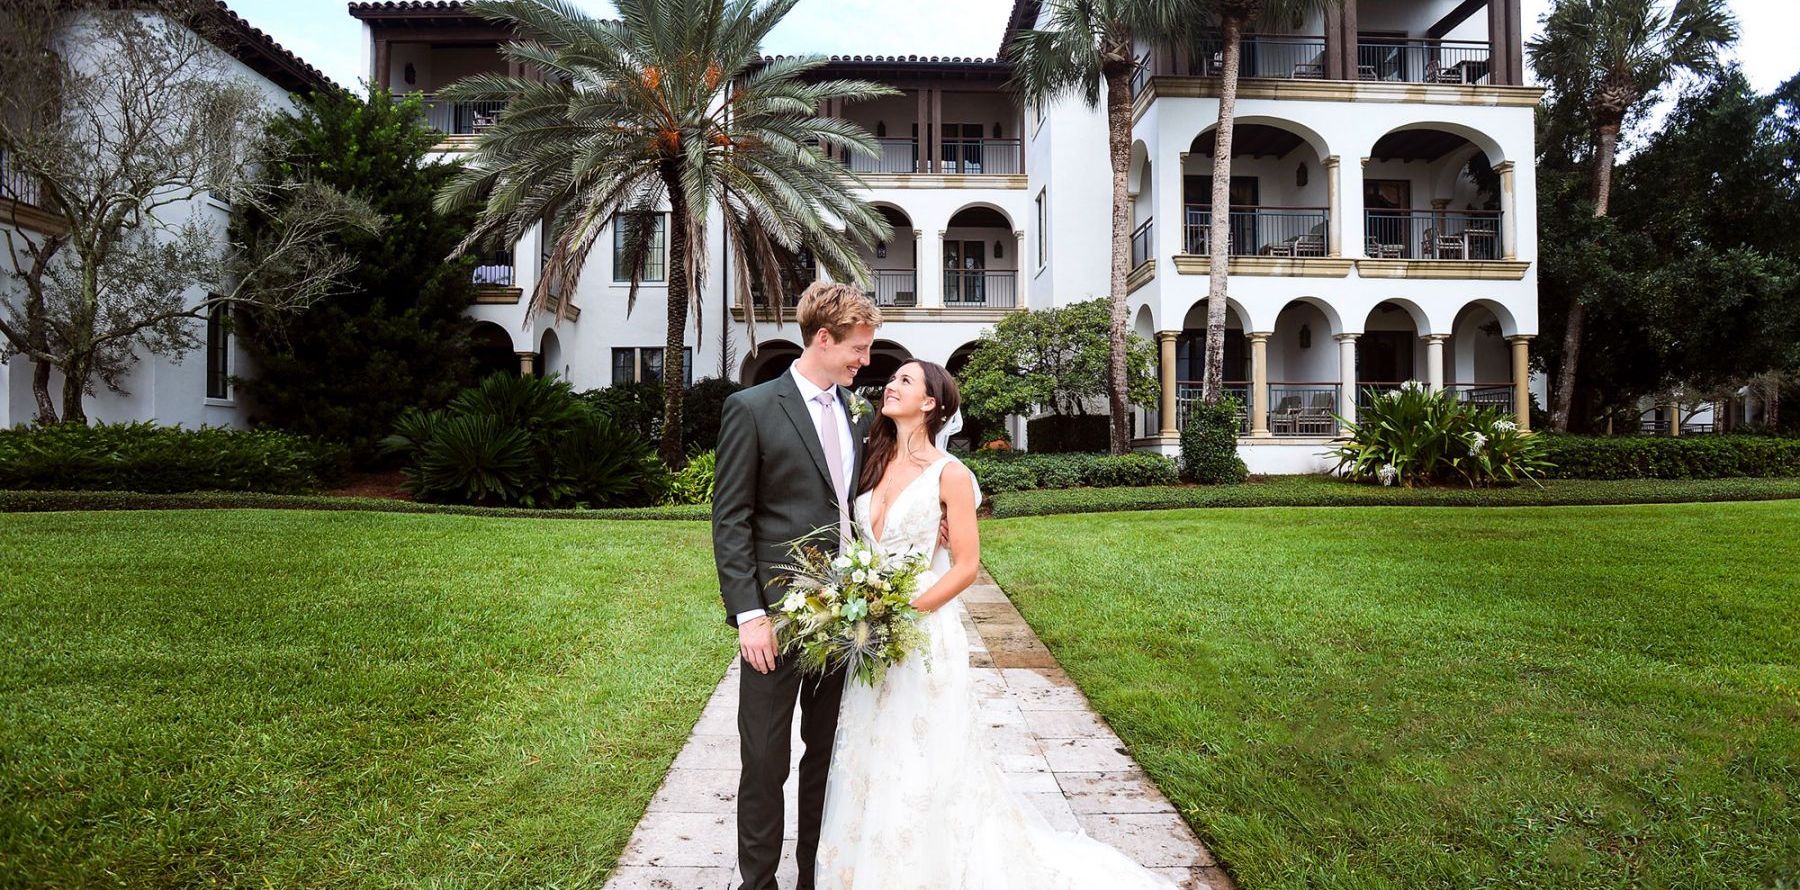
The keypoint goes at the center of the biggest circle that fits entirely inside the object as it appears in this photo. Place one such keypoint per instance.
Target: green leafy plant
(1209, 444)
(1014, 471)
(693, 484)
(1413, 436)
(526, 442)
(146, 457)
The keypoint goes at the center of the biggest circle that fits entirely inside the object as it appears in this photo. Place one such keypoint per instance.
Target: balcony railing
(1303, 409)
(459, 118)
(1486, 395)
(1141, 243)
(17, 185)
(494, 273)
(983, 288)
(1433, 234)
(978, 156)
(1140, 75)
(1187, 395)
(896, 287)
(1260, 231)
(1419, 60)
(1290, 56)
(892, 156)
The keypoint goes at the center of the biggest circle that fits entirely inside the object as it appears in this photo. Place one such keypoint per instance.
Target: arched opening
(1279, 193)
(1389, 352)
(1432, 193)
(894, 263)
(981, 259)
(549, 357)
(885, 357)
(772, 358)
(491, 348)
(1303, 371)
(975, 430)
(1141, 181)
(1478, 360)
(1190, 360)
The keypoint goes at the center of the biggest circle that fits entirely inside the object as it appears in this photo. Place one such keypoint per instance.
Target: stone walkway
(1052, 746)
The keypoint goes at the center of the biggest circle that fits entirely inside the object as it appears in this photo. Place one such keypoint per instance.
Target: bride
(914, 798)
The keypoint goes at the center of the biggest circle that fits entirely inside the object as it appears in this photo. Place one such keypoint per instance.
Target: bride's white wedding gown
(915, 800)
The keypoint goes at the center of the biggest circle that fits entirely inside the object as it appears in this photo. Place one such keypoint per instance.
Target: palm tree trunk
(1212, 387)
(1118, 144)
(40, 391)
(670, 449)
(1566, 378)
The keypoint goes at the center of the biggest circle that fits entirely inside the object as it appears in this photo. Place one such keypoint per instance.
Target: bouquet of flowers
(852, 611)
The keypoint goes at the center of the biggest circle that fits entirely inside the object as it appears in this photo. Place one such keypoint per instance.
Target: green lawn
(290, 698)
(1428, 697)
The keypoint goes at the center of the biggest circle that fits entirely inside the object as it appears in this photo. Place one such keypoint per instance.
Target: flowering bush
(1413, 436)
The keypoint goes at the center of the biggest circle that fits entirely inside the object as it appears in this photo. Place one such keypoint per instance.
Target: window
(1043, 227)
(655, 266)
(645, 365)
(218, 352)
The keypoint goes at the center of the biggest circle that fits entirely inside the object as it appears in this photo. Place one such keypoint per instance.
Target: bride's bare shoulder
(955, 472)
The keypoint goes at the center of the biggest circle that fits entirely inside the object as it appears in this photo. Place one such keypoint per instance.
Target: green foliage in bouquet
(851, 612)
(1413, 436)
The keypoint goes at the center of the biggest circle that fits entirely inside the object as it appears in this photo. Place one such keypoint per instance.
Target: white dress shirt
(809, 391)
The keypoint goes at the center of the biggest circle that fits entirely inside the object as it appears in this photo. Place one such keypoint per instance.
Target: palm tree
(1088, 44)
(1233, 16)
(670, 103)
(1611, 55)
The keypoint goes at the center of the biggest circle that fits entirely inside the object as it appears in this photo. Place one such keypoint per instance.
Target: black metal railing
(1420, 60)
(459, 118)
(896, 287)
(18, 185)
(1432, 234)
(1367, 390)
(1486, 395)
(495, 270)
(1281, 56)
(987, 288)
(1140, 75)
(1141, 242)
(978, 156)
(1303, 409)
(1187, 395)
(892, 156)
(1260, 231)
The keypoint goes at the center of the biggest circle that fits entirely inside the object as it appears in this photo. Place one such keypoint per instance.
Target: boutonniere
(859, 407)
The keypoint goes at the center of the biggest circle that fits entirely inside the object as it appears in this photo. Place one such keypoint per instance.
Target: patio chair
(1442, 247)
(905, 298)
(1315, 419)
(1284, 419)
(1309, 71)
(1437, 73)
(1309, 244)
(1380, 251)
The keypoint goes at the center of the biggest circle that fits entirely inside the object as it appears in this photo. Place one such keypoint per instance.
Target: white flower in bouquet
(859, 577)
(794, 601)
(842, 562)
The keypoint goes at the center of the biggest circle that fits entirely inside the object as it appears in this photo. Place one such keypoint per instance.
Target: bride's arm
(965, 542)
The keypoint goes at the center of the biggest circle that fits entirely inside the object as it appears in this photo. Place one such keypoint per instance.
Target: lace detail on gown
(915, 798)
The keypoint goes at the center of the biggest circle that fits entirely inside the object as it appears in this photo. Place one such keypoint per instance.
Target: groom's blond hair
(836, 308)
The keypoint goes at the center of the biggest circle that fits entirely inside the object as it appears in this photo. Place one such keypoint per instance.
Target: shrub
(1663, 457)
(1064, 433)
(635, 406)
(146, 457)
(1413, 436)
(701, 408)
(693, 484)
(1209, 444)
(1024, 472)
(529, 442)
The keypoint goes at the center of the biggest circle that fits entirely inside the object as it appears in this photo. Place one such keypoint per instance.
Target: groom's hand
(756, 642)
(944, 532)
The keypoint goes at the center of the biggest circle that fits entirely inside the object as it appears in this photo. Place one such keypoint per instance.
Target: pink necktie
(834, 459)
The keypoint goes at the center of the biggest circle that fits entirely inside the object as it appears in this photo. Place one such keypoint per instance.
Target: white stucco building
(192, 389)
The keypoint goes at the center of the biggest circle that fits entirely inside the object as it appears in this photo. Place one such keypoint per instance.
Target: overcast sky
(323, 33)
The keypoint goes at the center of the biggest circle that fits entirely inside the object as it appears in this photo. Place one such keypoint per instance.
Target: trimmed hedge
(1664, 457)
(1324, 491)
(1068, 433)
(146, 457)
(48, 501)
(1026, 471)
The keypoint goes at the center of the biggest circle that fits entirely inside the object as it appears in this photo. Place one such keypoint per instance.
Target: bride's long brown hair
(884, 435)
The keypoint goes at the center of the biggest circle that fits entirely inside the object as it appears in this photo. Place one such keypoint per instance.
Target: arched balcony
(1280, 195)
(1433, 193)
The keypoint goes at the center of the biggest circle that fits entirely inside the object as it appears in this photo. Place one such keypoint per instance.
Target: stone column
(1434, 361)
(931, 270)
(526, 360)
(1509, 240)
(1521, 373)
(1170, 385)
(1347, 380)
(1674, 418)
(1334, 202)
(1259, 385)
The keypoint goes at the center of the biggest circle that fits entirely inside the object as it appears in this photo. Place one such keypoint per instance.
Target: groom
(787, 461)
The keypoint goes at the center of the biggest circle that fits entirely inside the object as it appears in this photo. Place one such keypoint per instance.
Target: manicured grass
(1420, 697)
(1325, 491)
(291, 698)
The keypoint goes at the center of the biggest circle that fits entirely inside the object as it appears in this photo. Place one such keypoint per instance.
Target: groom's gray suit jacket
(771, 486)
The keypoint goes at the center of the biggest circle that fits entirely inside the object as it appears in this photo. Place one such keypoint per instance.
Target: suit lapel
(795, 408)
